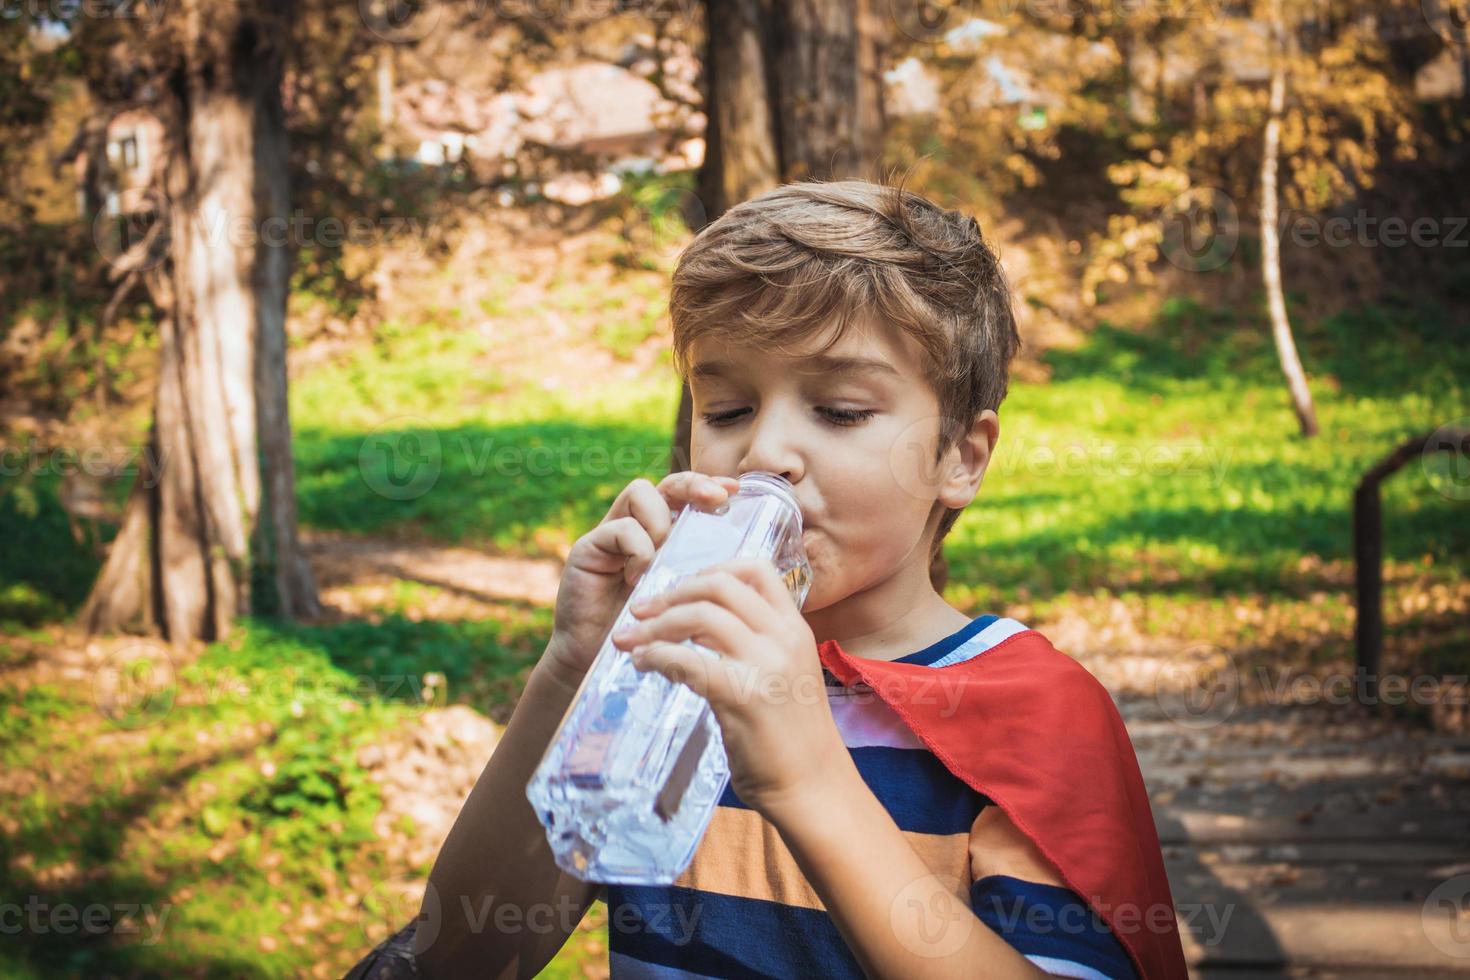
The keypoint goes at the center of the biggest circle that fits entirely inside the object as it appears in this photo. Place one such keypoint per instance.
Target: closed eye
(833, 416)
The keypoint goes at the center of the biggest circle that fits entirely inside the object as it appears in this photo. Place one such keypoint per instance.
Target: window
(122, 153)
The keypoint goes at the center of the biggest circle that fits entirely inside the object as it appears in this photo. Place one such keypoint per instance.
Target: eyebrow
(817, 364)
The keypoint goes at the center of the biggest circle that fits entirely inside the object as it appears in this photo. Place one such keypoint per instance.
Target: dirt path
(353, 574)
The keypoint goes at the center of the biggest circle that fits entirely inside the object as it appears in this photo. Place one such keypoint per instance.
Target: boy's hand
(765, 686)
(606, 562)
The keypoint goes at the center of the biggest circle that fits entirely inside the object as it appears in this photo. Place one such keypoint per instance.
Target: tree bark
(1291, 365)
(741, 125)
(872, 55)
(282, 569)
(223, 539)
(826, 107)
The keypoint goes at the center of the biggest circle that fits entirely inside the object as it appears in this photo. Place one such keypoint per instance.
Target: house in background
(131, 149)
(447, 123)
(615, 119)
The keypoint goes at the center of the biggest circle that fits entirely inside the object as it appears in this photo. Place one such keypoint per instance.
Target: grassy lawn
(1157, 467)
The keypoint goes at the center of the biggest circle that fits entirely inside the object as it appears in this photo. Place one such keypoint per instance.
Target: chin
(820, 595)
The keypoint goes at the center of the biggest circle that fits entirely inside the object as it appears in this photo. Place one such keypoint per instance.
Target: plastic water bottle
(632, 776)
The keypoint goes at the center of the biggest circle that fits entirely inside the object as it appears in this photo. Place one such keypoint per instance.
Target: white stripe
(621, 966)
(1067, 968)
(865, 720)
(1001, 629)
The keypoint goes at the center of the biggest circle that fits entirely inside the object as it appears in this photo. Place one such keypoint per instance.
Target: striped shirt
(743, 908)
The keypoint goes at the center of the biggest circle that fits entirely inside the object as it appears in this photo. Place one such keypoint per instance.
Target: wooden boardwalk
(1301, 842)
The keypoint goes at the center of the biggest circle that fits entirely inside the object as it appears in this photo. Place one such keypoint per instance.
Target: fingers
(653, 506)
(680, 664)
(697, 488)
(622, 544)
(759, 575)
(703, 622)
(639, 520)
(715, 585)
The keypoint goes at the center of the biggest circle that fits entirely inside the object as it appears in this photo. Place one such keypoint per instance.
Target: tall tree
(1288, 106)
(1291, 362)
(829, 106)
(211, 533)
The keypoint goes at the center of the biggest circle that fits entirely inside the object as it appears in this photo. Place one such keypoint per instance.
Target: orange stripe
(743, 855)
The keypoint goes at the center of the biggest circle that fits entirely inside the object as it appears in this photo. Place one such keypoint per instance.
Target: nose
(773, 445)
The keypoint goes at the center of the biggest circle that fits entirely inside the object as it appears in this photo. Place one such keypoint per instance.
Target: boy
(886, 750)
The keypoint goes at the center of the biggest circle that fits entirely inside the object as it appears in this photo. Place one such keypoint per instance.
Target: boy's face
(854, 429)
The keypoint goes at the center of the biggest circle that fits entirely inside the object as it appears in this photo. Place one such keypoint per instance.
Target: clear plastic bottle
(631, 778)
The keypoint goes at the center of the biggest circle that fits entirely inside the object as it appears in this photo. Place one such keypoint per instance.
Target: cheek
(874, 526)
(875, 492)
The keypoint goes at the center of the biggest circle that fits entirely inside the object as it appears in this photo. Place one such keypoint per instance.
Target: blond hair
(817, 256)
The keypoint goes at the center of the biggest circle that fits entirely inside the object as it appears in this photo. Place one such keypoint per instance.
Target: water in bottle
(632, 776)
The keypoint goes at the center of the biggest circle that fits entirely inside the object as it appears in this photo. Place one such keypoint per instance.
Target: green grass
(232, 795)
(1171, 461)
(1164, 459)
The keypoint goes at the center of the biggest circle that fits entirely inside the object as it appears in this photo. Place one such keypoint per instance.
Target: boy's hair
(818, 255)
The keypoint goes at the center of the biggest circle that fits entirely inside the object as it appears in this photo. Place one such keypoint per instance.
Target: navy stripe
(1049, 920)
(913, 786)
(723, 935)
(934, 651)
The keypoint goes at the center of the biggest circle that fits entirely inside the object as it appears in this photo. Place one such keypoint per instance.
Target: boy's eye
(847, 416)
(834, 416)
(721, 418)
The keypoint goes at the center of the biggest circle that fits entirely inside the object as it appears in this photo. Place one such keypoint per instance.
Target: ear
(966, 461)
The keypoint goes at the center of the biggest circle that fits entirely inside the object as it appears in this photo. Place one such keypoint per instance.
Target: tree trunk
(385, 86)
(741, 130)
(821, 115)
(94, 167)
(1291, 365)
(284, 583)
(221, 507)
(872, 55)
